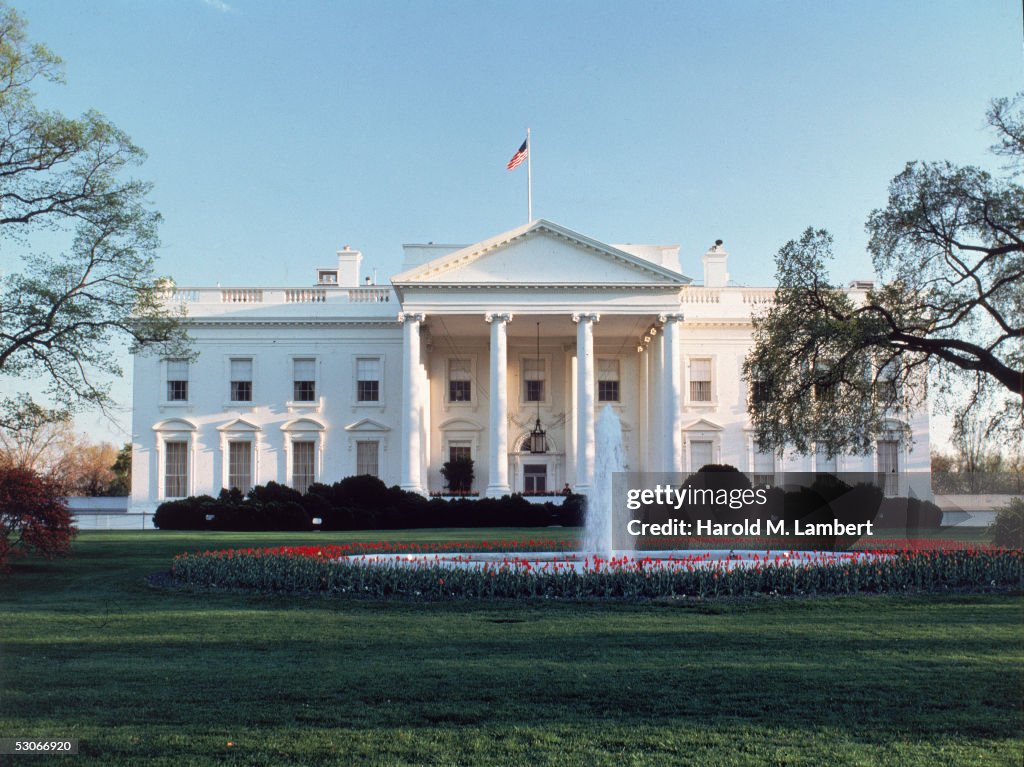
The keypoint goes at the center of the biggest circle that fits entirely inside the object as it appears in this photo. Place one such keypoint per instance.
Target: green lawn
(89, 651)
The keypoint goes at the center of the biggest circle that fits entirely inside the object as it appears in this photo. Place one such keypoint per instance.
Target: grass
(139, 676)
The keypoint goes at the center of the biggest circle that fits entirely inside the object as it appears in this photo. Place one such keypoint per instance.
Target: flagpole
(529, 178)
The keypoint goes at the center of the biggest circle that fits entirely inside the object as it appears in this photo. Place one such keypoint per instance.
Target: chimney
(716, 274)
(349, 262)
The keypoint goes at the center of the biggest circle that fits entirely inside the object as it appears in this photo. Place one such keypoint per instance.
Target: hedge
(357, 503)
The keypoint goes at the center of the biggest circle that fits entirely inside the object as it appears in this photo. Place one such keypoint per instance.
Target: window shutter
(177, 370)
(607, 370)
(368, 369)
(700, 370)
(459, 370)
(533, 369)
(241, 370)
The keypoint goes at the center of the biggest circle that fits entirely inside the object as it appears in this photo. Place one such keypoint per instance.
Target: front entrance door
(535, 478)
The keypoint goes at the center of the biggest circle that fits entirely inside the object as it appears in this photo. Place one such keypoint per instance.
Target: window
(460, 385)
(303, 474)
(764, 466)
(304, 379)
(607, 380)
(700, 380)
(535, 478)
(458, 451)
(533, 379)
(327, 278)
(368, 379)
(700, 454)
(888, 466)
(176, 469)
(760, 392)
(824, 387)
(240, 465)
(241, 379)
(367, 461)
(177, 380)
(886, 382)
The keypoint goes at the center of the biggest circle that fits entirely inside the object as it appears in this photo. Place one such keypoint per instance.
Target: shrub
(34, 518)
(1008, 529)
(459, 474)
(184, 514)
(361, 492)
(274, 492)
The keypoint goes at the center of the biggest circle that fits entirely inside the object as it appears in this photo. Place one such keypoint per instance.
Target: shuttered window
(176, 469)
(700, 380)
(241, 380)
(303, 466)
(608, 381)
(304, 380)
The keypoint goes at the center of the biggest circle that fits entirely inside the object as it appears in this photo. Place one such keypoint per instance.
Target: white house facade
(466, 353)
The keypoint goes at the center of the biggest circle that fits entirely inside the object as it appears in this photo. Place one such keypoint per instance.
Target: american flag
(522, 153)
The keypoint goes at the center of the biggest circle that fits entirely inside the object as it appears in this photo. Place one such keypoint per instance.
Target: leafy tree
(834, 368)
(65, 178)
(33, 516)
(33, 437)
(122, 470)
(459, 474)
(43, 441)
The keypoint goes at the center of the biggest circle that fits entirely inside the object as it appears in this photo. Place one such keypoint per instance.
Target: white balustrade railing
(700, 295)
(241, 296)
(305, 296)
(372, 295)
(758, 295)
(270, 296)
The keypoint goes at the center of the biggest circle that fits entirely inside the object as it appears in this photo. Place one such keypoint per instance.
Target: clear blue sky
(278, 132)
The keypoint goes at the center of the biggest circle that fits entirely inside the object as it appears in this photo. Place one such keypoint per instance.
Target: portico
(477, 319)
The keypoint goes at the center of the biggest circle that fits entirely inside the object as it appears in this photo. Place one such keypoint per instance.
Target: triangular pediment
(537, 254)
(239, 424)
(702, 424)
(367, 424)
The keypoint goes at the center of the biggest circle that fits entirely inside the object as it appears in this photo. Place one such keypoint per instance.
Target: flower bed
(318, 569)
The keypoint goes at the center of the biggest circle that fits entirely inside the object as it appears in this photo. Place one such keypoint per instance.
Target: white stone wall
(272, 350)
(336, 325)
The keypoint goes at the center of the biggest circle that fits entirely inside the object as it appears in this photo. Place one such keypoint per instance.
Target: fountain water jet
(609, 458)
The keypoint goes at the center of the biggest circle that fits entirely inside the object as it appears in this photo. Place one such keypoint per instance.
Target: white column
(643, 400)
(585, 400)
(412, 477)
(571, 419)
(673, 392)
(659, 430)
(497, 467)
(424, 416)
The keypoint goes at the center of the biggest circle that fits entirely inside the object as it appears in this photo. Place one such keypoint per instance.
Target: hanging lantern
(538, 437)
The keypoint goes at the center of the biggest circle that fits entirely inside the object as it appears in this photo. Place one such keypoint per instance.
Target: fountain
(609, 458)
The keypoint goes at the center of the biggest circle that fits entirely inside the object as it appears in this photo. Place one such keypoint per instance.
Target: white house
(466, 350)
